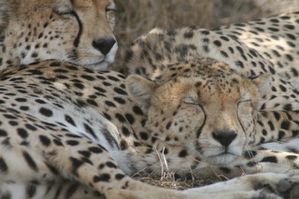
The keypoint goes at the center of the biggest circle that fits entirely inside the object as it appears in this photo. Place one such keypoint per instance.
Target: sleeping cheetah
(268, 45)
(72, 132)
(78, 31)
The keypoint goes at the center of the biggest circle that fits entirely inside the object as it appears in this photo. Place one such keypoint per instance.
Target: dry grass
(137, 17)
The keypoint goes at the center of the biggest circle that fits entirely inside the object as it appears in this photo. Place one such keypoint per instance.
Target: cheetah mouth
(100, 65)
(224, 158)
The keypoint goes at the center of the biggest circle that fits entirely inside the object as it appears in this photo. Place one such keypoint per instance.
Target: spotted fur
(71, 132)
(75, 31)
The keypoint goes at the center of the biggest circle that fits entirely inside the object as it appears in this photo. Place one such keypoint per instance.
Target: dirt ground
(137, 17)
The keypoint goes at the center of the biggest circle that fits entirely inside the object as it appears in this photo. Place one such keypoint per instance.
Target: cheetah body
(73, 132)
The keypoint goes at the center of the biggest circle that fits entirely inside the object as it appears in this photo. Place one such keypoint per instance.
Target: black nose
(104, 45)
(224, 137)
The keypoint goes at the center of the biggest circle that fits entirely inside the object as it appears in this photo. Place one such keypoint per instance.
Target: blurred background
(137, 17)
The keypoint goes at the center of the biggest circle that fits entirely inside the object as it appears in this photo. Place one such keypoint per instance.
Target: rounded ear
(63, 6)
(262, 82)
(140, 89)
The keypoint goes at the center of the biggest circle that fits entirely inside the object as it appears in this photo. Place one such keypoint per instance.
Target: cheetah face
(210, 111)
(78, 31)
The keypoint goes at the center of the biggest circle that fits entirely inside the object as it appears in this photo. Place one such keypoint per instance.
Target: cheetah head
(204, 108)
(78, 31)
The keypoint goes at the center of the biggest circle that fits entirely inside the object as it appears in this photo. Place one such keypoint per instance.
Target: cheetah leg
(279, 183)
(261, 160)
(100, 172)
(49, 152)
(291, 145)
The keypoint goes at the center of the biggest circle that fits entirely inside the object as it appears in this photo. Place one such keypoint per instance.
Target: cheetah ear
(140, 90)
(62, 6)
(263, 82)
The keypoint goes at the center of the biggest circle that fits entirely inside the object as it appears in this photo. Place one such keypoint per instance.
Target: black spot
(143, 135)
(72, 142)
(105, 177)
(21, 100)
(75, 164)
(120, 118)
(46, 112)
(288, 107)
(113, 78)
(217, 43)
(40, 101)
(24, 108)
(109, 103)
(285, 125)
(281, 134)
(71, 190)
(240, 64)
(22, 133)
(79, 85)
(45, 140)
(69, 119)
(188, 34)
(95, 149)
(90, 131)
(34, 55)
(125, 131)
(52, 169)
(6, 195)
(30, 161)
(168, 125)
(119, 100)
(3, 133)
(119, 176)
(183, 153)
(88, 77)
(130, 118)
(137, 110)
(223, 53)
(270, 159)
(291, 157)
(120, 91)
(224, 38)
(111, 165)
(289, 26)
(271, 125)
(276, 115)
(3, 165)
(31, 190)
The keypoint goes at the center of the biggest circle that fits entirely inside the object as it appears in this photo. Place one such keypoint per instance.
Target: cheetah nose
(104, 45)
(224, 137)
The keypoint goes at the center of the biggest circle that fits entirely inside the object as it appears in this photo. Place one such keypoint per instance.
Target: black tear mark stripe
(204, 121)
(77, 39)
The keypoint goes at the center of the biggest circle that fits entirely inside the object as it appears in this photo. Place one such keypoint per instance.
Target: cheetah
(79, 31)
(267, 45)
(71, 132)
